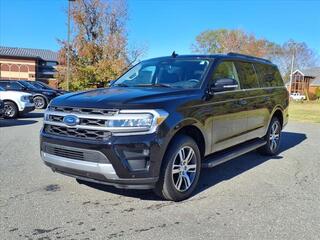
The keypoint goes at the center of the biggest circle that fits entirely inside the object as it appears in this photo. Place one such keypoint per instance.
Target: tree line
(100, 52)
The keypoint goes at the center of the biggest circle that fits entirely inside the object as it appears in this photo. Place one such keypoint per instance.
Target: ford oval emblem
(71, 120)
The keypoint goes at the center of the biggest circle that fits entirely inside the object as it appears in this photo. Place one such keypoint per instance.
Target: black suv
(164, 119)
(41, 97)
(42, 85)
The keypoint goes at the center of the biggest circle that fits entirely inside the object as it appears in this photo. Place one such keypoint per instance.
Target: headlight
(24, 98)
(133, 120)
(136, 121)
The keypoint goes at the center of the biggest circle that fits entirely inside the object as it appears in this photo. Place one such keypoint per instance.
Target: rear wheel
(180, 170)
(10, 110)
(273, 138)
(39, 102)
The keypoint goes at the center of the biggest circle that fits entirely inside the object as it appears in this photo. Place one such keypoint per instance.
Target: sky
(167, 25)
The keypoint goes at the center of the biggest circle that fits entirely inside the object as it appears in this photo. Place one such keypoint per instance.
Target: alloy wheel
(184, 169)
(39, 102)
(8, 111)
(274, 137)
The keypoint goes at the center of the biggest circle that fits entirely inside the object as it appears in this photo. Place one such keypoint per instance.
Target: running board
(233, 152)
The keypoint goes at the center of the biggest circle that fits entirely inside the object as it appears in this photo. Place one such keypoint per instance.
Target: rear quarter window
(269, 76)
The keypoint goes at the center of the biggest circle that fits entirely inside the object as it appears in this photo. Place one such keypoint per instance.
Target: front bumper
(124, 162)
(27, 109)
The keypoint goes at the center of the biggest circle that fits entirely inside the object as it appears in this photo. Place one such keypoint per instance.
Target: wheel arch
(278, 111)
(12, 101)
(191, 128)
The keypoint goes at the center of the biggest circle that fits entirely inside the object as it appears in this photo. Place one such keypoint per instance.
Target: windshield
(2, 89)
(39, 85)
(28, 85)
(176, 73)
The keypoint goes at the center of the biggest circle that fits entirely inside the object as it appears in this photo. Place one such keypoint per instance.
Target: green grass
(305, 111)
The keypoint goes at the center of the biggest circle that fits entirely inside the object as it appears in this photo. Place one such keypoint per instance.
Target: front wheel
(39, 102)
(273, 138)
(180, 170)
(10, 110)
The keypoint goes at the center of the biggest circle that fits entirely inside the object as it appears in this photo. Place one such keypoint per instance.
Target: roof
(230, 56)
(43, 54)
(314, 73)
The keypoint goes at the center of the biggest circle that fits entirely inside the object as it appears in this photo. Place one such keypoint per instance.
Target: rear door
(227, 108)
(256, 99)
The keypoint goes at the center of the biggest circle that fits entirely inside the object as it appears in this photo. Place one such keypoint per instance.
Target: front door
(228, 110)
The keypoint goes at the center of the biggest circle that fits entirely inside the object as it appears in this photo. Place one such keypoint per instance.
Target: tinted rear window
(269, 76)
(247, 75)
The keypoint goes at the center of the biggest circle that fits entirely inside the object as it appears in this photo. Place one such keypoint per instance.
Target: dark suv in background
(41, 97)
(164, 119)
(42, 85)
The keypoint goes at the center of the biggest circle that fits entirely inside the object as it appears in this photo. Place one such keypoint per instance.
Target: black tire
(10, 110)
(170, 180)
(273, 143)
(39, 102)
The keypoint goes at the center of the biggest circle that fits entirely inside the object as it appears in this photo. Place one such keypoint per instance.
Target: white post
(292, 64)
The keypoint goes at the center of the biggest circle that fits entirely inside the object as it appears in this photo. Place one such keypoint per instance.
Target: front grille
(77, 132)
(67, 153)
(83, 121)
(75, 153)
(90, 111)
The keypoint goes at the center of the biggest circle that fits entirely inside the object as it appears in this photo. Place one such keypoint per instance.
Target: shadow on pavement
(213, 176)
(36, 114)
(210, 177)
(15, 122)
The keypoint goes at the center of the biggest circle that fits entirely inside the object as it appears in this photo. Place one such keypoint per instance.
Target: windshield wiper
(154, 85)
(120, 85)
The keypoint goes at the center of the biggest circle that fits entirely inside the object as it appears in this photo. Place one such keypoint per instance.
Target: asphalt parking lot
(251, 197)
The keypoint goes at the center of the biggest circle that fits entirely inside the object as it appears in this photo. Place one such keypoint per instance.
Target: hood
(12, 94)
(123, 97)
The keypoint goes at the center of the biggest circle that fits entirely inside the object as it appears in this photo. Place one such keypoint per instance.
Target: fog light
(145, 152)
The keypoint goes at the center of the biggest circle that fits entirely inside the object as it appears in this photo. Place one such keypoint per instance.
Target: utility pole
(68, 50)
(292, 64)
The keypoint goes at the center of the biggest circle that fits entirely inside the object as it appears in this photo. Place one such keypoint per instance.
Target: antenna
(174, 54)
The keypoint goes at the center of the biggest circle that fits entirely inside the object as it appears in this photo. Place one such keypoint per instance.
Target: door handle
(243, 102)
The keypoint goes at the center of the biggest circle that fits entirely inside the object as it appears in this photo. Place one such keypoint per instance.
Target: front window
(175, 73)
(28, 85)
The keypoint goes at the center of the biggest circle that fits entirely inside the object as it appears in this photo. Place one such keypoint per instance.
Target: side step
(233, 152)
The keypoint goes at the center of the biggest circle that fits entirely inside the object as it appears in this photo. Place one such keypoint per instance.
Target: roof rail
(248, 56)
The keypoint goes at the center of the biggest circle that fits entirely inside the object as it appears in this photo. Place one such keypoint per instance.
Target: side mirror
(110, 83)
(224, 84)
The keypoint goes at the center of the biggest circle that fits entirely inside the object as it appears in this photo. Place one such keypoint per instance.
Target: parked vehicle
(297, 96)
(42, 85)
(41, 97)
(16, 103)
(164, 119)
(1, 108)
